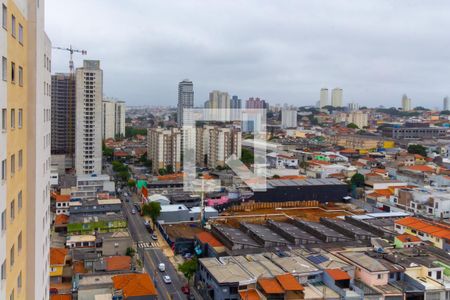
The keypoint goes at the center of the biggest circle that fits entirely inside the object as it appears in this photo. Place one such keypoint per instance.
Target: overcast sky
(283, 51)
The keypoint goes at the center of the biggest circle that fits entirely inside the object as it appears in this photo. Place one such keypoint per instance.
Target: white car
(162, 267)
(133, 211)
(167, 279)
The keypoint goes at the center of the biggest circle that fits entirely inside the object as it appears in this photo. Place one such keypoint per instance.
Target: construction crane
(71, 51)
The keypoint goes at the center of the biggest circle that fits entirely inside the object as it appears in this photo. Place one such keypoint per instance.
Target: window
(438, 274)
(4, 117)
(4, 62)
(20, 76)
(11, 256)
(4, 172)
(4, 16)
(13, 164)
(12, 210)
(13, 72)
(20, 163)
(20, 34)
(13, 118)
(379, 276)
(19, 200)
(13, 25)
(3, 272)
(19, 280)
(19, 242)
(4, 220)
(11, 296)
(20, 118)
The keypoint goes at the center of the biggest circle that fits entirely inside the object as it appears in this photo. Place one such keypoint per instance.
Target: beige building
(164, 148)
(336, 97)
(214, 145)
(25, 54)
(359, 118)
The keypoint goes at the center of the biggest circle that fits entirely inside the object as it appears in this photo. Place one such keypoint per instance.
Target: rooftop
(58, 256)
(264, 233)
(363, 260)
(134, 285)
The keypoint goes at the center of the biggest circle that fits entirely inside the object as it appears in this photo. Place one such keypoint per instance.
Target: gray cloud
(283, 51)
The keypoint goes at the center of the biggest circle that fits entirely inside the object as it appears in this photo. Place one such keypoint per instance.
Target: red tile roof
(289, 283)
(61, 198)
(118, 263)
(421, 168)
(206, 237)
(134, 285)
(440, 231)
(338, 274)
(61, 219)
(408, 238)
(270, 286)
(250, 294)
(58, 256)
(61, 297)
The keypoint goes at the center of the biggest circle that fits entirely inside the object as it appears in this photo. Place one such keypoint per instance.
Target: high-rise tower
(88, 133)
(323, 97)
(336, 97)
(185, 98)
(25, 53)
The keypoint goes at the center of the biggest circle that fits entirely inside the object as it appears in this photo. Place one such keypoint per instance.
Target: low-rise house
(368, 270)
(61, 203)
(134, 287)
(407, 241)
(59, 258)
(436, 233)
(79, 224)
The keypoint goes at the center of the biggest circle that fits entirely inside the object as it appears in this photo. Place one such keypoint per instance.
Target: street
(152, 257)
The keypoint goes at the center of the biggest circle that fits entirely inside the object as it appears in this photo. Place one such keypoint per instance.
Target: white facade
(108, 119)
(406, 103)
(88, 133)
(336, 97)
(164, 148)
(113, 119)
(353, 106)
(445, 103)
(288, 118)
(323, 98)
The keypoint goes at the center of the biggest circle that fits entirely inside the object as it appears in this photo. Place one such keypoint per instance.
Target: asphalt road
(152, 257)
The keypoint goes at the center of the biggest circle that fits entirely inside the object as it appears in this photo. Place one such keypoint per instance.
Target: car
(191, 297)
(187, 255)
(167, 279)
(133, 211)
(154, 237)
(162, 267)
(138, 207)
(127, 199)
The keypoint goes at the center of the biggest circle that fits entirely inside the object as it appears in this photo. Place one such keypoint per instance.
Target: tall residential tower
(336, 97)
(185, 98)
(323, 97)
(88, 133)
(113, 119)
(25, 53)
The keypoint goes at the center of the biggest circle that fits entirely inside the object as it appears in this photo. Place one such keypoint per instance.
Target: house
(80, 224)
(368, 269)
(407, 241)
(436, 233)
(59, 258)
(134, 286)
(61, 203)
(280, 287)
(208, 245)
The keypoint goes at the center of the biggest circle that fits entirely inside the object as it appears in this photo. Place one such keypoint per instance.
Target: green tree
(131, 183)
(357, 180)
(169, 169)
(152, 210)
(133, 131)
(417, 149)
(275, 176)
(352, 125)
(247, 156)
(188, 268)
(119, 166)
(162, 171)
(445, 112)
(130, 252)
(124, 176)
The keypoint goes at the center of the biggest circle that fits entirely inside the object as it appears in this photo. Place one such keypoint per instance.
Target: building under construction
(63, 115)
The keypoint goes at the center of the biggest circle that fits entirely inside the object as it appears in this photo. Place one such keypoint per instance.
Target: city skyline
(275, 66)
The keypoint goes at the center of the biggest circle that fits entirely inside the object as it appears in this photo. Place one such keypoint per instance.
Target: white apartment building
(113, 119)
(353, 106)
(88, 133)
(361, 119)
(289, 118)
(336, 97)
(323, 97)
(164, 148)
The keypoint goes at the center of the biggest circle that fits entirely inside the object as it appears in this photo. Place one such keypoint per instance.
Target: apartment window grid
(20, 160)
(4, 119)
(13, 25)
(13, 118)
(4, 220)
(12, 210)
(13, 164)
(13, 72)
(20, 118)
(4, 68)
(21, 34)
(4, 16)
(4, 169)
(19, 200)
(20, 76)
